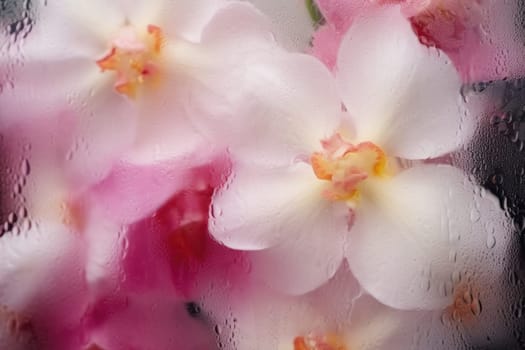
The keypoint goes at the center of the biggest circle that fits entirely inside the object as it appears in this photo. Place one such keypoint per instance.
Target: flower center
(346, 166)
(316, 342)
(135, 59)
(73, 215)
(466, 306)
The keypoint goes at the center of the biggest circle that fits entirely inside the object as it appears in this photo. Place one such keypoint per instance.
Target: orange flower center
(316, 342)
(346, 166)
(135, 59)
(466, 306)
(73, 215)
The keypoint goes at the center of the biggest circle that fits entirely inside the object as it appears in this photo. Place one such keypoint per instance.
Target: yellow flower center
(317, 342)
(134, 58)
(345, 166)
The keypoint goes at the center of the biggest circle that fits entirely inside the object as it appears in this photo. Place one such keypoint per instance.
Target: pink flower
(81, 273)
(168, 261)
(174, 225)
(472, 33)
(312, 186)
(149, 320)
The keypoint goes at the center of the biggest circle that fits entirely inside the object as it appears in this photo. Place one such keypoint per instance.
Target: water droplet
(15, 231)
(495, 119)
(215, 211)
(22, 212)
(12, 218)
(497, 179)
(7, 227)
(456, 315)
(25, 168)
(26, 225)
(491, 241)
(475, 307)
(456, 277)
(427, 285)
(474, 215)
(453, 256)
(467, 297)
(17, 189)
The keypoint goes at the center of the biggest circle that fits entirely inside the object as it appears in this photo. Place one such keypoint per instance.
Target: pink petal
(325, 45)
(164, 324)
(340, 13)
(133, 191)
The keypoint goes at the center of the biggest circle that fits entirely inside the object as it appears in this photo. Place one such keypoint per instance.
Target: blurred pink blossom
(480, 36)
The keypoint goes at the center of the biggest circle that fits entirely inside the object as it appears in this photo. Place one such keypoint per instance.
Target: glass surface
(262, 175)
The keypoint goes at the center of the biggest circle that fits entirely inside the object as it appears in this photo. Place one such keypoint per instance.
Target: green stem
(314, 12)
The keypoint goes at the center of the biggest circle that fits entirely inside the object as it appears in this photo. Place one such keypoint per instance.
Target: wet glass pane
(262, 175)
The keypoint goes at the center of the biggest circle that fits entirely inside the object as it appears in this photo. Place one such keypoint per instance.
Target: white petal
(141, 13)
(265, 319)
(99, 127)
(306, 260)
(187, 18)
(106, 128)
(404, 246)
(64, 29)
(40, 280)
(238, 27)
(32, 260)
(30, 95)
(248, 88)
(376, 326)
(104, 247)
(57, 71)
(271, 320)
(335, 299)
(164, 128)
(259, 208)
(278, 107)
(402, 95)
(59, 78)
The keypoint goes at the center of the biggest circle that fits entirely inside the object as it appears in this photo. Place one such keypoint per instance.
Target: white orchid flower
(337, 316)
(131, 73)
(311, 186)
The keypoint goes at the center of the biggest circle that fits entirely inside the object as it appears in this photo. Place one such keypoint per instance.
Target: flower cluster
(182, 167)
